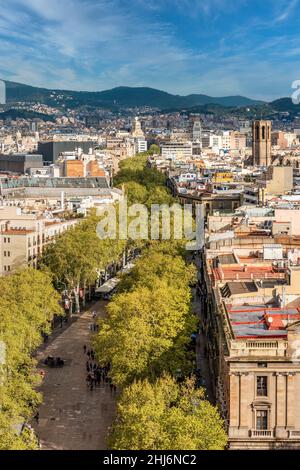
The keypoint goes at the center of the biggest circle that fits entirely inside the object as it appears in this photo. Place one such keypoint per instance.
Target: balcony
(259, 348)
(261, 434)
(294, 434)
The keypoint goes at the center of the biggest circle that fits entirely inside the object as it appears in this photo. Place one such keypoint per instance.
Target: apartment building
(177, 150)
(24, 236)
(250, 295)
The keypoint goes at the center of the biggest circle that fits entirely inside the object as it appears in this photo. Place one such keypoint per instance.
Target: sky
(215, 47)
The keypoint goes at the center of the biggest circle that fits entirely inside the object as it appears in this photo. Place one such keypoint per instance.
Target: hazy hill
(119, 97)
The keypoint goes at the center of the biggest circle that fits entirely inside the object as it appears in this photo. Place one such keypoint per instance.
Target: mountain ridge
(122, 96)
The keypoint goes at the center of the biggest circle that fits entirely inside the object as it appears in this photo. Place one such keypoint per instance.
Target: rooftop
(252, 322)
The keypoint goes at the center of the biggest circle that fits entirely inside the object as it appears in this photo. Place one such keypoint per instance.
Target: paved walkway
(201, 357)
(72, 417)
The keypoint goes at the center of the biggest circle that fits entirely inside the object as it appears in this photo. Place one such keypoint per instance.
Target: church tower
(261, 142)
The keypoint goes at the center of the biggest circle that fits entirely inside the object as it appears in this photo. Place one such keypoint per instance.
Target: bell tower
(261, 142)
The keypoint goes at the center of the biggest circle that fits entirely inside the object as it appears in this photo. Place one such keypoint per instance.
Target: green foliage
(166, 416)
(149, 324)
(27, 305)
(78, 255)
(154, 149)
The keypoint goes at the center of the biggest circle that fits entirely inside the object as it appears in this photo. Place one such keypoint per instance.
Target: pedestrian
(37, 418)
(84, 349)
(89, 353)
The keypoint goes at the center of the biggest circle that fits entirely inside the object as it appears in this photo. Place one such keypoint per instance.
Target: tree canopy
(27, 305)
(164, 415)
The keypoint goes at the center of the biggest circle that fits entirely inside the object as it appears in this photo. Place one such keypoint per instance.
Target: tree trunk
(77, 303)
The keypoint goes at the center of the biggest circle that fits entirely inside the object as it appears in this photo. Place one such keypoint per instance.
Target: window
(262, 386)
(263, 132)
(4, 253)
(262, 420)
(8, 268)
(257, 132)
(262, 365)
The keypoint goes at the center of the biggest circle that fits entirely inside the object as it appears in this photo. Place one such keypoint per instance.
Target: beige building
(252, 323)
(137, 131)
(278, 181)
(24, 236)
(262, 143)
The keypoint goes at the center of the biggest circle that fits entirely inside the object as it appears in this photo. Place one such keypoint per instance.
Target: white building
(141, 145)
(177, 150)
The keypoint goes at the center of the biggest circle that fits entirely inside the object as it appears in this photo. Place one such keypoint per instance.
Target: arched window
(257, 132)
(263, 132)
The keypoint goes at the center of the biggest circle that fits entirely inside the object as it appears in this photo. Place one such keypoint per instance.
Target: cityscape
(150, 232)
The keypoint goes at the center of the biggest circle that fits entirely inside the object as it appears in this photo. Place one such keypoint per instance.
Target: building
(262, 143)
(20, 163)
(252, 322)
(53, 149)
(23, 237)
(141, 145)
(137, 131)
(278, 180)
(279, 140)
(197, 132)
(177, 150)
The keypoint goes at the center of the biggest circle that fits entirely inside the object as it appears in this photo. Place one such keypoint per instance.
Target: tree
(77, 257)
(141, 326)
(27, 305)
(154, 149)
(153, 265)
(136, 193)
(166, 416)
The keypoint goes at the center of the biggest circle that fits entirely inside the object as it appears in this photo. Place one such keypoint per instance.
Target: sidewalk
(71, 416)
(201, 359)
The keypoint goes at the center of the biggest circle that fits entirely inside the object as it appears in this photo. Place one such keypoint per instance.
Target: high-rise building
(197, 131)
(262, 142)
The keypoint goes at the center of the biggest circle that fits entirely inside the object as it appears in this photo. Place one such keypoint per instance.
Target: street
(201, 357)
(72, 417)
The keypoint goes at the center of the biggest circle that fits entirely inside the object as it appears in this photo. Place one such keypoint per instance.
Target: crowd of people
(97, 375)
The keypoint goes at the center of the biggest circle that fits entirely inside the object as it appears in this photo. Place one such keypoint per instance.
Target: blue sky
(217, 47)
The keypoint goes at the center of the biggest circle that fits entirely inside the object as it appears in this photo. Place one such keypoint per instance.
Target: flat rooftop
(238, 271)
(261, 321)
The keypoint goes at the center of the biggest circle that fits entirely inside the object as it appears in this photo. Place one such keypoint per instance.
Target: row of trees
(146, 339)
(28, 303)
(78, 256)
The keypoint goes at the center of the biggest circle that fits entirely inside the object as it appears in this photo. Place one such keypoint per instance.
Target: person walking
(37, 418)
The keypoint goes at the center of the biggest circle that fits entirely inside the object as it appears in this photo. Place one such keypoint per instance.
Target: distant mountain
(120, 97)
(285, 105)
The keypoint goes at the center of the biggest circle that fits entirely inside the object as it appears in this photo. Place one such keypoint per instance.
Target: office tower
(197, 131)
(261, 142)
